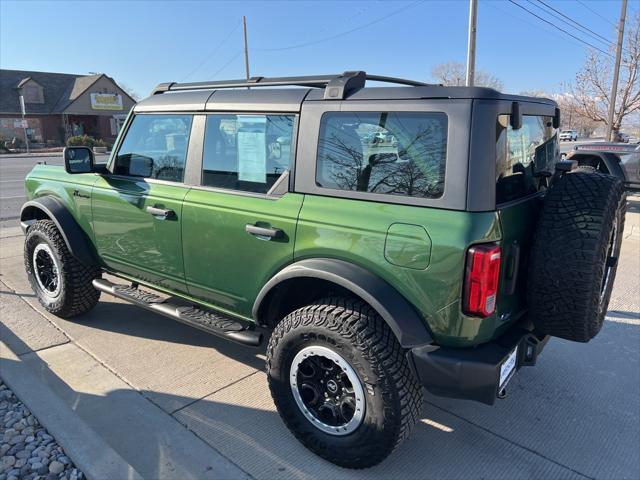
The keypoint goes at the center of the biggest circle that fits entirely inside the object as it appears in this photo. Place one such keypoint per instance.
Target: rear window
(525, 157)
(392, 153)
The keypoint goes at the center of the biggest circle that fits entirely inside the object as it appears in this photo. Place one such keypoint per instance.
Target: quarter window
(155, 146)
(246, 152)
(393, 153)
(525, 157)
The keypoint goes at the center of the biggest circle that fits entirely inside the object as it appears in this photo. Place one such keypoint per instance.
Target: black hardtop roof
(349, 86)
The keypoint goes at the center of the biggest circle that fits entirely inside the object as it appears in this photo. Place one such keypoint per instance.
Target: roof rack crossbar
(337, 87)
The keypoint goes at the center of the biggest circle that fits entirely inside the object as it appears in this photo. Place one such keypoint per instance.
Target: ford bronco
(442, 255)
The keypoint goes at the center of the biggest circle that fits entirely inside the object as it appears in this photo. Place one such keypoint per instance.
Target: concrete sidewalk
(177, 403)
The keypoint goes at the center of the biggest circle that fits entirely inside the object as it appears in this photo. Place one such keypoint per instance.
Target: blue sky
(144, 43)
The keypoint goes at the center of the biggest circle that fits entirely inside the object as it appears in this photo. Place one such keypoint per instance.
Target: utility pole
(616, 71)
(471, 45)
(246, 46)
(24, 122)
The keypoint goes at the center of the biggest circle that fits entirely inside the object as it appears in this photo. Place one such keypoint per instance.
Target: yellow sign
(106, 101)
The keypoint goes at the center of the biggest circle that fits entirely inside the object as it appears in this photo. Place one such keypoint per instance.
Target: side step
(210, 322)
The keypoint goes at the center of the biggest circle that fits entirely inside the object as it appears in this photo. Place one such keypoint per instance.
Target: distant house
(60, 105)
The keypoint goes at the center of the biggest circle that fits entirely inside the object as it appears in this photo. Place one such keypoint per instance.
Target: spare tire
(574, 255)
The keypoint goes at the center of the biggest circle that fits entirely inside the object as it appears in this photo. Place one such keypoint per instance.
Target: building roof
(60, 90)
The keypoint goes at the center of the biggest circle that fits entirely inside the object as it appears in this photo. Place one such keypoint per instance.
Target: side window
(155, 146)
(393, 153)
(524, 156)
(246, 152)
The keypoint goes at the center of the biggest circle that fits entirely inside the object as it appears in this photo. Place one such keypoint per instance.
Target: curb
(29, 155)
(94, 457)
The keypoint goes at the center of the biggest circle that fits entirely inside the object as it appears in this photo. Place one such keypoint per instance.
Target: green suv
(442, 255)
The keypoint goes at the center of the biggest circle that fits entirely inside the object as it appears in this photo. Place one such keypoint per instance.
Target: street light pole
(246, 46)
(616, 71)
(471, 45)
(24, 123)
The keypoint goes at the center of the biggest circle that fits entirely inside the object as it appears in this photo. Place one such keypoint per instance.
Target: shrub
(81, 141)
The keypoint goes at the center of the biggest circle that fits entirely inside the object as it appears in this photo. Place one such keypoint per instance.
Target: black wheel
(62, 284)
(575, 254)
(341, 382)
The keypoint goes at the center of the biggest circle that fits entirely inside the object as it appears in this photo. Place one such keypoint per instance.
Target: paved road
(169, 398)
(12, 173)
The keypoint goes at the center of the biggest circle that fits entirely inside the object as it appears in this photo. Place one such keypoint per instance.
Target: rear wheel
(60, 281)
(575, 254)
(341, 382)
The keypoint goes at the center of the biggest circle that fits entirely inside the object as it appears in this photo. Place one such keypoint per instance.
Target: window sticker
(252, 151)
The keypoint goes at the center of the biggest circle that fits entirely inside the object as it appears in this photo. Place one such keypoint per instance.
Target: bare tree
(590, 95)
(130, 91)
(574, 118)
(453, 74)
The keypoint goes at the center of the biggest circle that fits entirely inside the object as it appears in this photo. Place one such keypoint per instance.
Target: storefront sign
(106, 101)
(18, 123)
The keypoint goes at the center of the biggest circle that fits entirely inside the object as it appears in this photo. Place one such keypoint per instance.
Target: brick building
(60, 105)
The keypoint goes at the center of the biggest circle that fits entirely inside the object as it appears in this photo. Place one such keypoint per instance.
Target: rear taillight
(481, 281)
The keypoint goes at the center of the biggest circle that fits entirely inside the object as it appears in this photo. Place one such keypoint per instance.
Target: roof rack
(337, 87)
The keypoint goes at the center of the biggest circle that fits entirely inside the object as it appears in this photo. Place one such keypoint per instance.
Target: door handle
(263, 232)
(162, 213)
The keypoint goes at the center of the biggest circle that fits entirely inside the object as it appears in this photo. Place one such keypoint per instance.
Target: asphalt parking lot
(174, 402)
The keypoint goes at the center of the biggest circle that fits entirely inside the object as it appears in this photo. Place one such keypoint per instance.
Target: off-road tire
(567, 296)
(77, 295)
(355, 331)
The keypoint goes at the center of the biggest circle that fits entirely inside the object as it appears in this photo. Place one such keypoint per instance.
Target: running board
(210, 322)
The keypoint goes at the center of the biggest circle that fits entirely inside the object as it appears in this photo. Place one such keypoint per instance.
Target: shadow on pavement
(130, 320)
(539, 431)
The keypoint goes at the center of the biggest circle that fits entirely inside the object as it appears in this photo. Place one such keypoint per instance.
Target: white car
(570, 135)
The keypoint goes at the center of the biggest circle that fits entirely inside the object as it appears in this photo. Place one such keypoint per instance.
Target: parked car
(622, 137)
(447, 265)
(621, 161)
(569, 135)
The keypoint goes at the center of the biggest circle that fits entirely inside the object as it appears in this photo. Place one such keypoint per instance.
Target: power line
(597, 14)
(214, 51)
(346, 32)
(560, 28)
(225, 65)
(579, 25)
(535, 25)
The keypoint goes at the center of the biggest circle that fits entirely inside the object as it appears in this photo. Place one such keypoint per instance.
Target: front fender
(407, 325)
(48, 207)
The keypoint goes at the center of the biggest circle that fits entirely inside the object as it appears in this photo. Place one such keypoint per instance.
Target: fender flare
(610, 161)
(74, 237)
(407, 325)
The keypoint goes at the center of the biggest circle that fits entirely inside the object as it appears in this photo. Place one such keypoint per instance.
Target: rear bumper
(474, 373)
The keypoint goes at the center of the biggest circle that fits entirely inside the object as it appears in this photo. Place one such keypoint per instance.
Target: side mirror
(140, 166)
(516, 116)
(78, 159)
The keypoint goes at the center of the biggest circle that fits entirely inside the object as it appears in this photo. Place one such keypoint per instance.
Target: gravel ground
(27, 451)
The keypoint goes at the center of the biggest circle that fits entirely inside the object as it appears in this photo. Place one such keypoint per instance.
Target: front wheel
(341, 382)
(61, 282)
